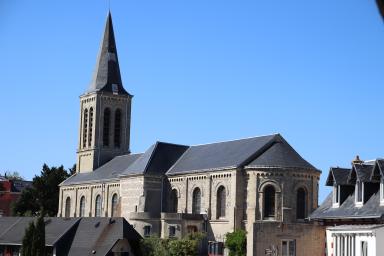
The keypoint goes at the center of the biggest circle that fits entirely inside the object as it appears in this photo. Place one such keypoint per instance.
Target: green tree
(380, 4)
(13, 175)
(154, 246)
(34, 239)
(236, 242)
(43, 195)
(26, 249)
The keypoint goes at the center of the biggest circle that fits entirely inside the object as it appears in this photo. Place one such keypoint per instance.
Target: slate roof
(77, 236)
(348, 210)
(338, 175)
(220, 155)
(107, 71)
(12, 229)
(100, 235)
(109, 171)
(280, 154)
(363, 171)
(157, 159)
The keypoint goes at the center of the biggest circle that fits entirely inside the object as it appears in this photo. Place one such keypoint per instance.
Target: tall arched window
(301, 204)
(98, 206)
(90, 127)
(106, 126)
(269, 202)
(85, 127)
(173, 201)
(196, 201)
(67, 207)
(82, 207)
(114, 205)
(220, 202)
(117, 134)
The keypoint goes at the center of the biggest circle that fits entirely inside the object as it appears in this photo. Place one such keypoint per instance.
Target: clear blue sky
(201, 71)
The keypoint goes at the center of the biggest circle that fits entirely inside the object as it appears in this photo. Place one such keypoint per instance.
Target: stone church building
(259, 184)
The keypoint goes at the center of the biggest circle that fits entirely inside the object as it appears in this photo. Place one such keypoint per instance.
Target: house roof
(107, 76)
(156, 160)
(13, 229)
(100, 235)
(109, 171)
(280, 154)
(348, 210)
(338, 175)
(363, 171)
(73, 236)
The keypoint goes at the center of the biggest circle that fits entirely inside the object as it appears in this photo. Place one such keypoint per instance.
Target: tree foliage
(236, 242)
(154, 246)
(34, 239)
(43, 195)
(13, 175)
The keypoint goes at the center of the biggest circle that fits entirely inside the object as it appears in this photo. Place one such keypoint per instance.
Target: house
(73, 236)
(10, 191)
(353, 212)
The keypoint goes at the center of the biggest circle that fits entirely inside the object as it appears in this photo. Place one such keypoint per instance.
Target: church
(259, 184)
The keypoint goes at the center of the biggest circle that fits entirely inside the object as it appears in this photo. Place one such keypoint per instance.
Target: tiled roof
(338, 175)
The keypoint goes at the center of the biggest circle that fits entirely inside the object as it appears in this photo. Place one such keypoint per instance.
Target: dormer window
(382, 191)
(359, 193)
(336, 195)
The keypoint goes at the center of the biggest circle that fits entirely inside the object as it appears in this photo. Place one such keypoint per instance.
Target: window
(364, 248)
(98, 206)
(106, 126)
(359, 192)
(147, 231)
(382, 190)
(301, 199)
(67, 207)
(85, 127)
(173, 202)
(90, 127)
(172, 231)
(114, 205)
(336, 195)
(82, 207)
(269, 202)
(117, 128)
(220, 202)
(288, 247)
(196, 201)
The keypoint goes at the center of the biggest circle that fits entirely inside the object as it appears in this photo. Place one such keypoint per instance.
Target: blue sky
(201, 71)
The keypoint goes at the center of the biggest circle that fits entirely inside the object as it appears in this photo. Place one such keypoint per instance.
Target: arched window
(90, 127)
(106, 126)
(114, 205)
(301, 204)
(82, 207)
(117, 128)
(173, 201)
(196, 201)
(98, 206)
(67, 207)
(269, 202)
(85, 127)
(220, 202)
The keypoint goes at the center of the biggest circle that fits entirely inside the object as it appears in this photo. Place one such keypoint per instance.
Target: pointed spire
(107, 76)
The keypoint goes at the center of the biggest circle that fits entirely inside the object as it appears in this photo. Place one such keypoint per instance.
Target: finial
(357, 160)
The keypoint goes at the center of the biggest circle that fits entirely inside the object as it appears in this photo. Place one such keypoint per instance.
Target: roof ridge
(246, 138)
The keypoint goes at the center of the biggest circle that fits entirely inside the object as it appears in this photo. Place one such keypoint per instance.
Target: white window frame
(289, 241)
(381, 190)
(336, 196)
(359, 203)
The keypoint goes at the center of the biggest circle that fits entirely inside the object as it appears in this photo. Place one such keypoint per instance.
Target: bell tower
(105, 110)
